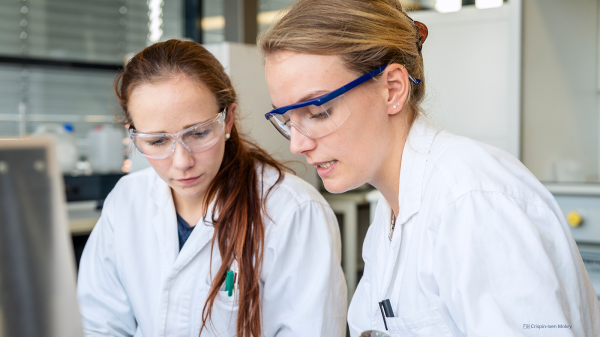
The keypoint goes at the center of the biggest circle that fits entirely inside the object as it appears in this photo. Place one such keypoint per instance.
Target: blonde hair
(366, 34)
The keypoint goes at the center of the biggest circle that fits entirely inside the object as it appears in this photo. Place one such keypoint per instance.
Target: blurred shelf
(92, 188)
(82, 226)
(581, 189)
(58, 118)
(83, 216)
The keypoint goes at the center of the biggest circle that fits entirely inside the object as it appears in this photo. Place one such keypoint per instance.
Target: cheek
(357, 145)
(161, 166)
(210, 160)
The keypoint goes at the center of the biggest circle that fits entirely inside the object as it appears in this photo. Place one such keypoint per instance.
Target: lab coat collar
(200, 237)
(414, 159)
(412, 171)
(165, 227)
(160, 192)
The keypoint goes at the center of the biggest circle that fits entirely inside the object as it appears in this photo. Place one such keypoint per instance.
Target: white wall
(243, 64)
(471, 60)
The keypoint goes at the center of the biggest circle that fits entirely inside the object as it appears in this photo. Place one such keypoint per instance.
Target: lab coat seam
(293, 211)
(105, 224)
(110, 224)
(288, 184)
(510, 196)
(480, 263)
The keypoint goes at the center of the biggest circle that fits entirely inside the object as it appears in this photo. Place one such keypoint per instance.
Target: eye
(200, 134)
(157, 142)
(322, 115)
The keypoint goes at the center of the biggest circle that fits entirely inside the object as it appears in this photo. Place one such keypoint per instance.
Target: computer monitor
(37, 268)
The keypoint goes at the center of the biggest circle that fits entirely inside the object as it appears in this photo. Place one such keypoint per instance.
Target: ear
(396, 82)
(230, 117)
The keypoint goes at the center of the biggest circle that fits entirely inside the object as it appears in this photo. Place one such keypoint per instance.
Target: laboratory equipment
(37, 276)
(66, 145)
(105, 147)
(373, 333)
(561, 120)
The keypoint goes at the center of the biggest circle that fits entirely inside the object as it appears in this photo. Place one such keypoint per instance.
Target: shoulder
(140, 180)
(291, 191)
(132, 187)
(293, 201)
(464, 165)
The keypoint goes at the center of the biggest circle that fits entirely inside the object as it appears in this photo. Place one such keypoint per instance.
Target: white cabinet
(472, 72)
(560, 90)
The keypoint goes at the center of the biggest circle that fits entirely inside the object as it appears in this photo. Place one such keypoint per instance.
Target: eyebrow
(311, 95)
(185, 127)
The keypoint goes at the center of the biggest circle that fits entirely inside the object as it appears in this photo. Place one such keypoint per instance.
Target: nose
(299, 143)
(182, 158)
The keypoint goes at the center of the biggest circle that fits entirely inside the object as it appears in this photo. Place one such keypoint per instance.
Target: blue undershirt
(183, 230)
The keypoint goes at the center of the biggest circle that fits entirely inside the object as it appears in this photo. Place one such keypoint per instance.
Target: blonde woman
(465, 241)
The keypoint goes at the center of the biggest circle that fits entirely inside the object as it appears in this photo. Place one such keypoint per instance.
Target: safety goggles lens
(313, 121)
(197, 139)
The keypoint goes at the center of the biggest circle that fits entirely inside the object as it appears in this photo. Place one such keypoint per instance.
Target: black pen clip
(387, 308)
(383, 314)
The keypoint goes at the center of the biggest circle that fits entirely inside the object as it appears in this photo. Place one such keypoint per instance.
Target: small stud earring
(394, 107)
(227, 136)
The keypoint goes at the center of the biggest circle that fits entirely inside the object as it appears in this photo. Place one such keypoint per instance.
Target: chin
(339, 185)
(191, 192)
(336, 186)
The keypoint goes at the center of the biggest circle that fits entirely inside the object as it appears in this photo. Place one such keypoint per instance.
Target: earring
(394, 107)
(227, 136)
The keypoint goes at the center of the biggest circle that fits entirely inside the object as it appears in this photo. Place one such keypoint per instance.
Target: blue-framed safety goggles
(320, 116)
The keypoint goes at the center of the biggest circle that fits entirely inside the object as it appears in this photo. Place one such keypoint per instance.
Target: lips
(188, 181)
(326, 168)
(326, 164)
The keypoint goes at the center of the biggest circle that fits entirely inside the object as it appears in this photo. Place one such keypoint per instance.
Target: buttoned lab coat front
(480, 248)
(133, 281)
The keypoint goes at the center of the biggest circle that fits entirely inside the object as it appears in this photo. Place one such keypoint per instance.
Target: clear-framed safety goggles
(320, 116)
(197, 138)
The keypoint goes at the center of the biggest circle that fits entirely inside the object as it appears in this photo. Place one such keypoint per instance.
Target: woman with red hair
(215, 239)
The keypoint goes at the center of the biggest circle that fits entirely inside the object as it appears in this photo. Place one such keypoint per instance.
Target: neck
(190, 209)
(387, 179)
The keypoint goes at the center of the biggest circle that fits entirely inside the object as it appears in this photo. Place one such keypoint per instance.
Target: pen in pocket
(386, 311)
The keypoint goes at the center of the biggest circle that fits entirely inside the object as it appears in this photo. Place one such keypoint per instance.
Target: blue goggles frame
(328, 97)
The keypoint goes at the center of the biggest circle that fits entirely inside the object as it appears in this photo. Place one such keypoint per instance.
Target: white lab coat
(480, 248)
(133, 281)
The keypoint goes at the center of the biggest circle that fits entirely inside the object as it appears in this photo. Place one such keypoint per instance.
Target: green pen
(229, 283)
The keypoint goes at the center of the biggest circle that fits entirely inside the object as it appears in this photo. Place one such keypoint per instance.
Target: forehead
(291, 76)
(171, 104)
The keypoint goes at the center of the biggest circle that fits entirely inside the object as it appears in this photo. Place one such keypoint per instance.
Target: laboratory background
(521, 75)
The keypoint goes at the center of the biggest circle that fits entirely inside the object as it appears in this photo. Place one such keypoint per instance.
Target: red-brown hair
(238, 194)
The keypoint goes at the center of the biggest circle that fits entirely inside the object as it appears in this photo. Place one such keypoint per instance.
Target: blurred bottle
(66, 145)
(83, 167)
(570, 171)
(105, 148)
(138, 160)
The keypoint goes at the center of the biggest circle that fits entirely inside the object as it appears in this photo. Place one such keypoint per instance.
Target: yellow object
(574, 219)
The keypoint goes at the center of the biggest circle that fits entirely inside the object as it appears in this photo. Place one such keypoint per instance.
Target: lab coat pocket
(226, 302)
(427, 323)
(224, 315)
